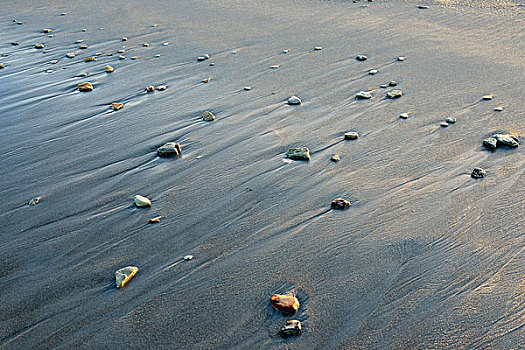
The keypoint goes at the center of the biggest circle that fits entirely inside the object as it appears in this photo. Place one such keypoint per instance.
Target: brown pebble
(39, 46)
(335, 158)
(116, 106)
(87, 86)
(340, 203)
(35, 201)
(155, 220)
(285, 303)
(150, 88)
(89, 59)
(83, 47)
(207, 80)
(15, 43)
(109, 69)
(161, 88)
(46, 31)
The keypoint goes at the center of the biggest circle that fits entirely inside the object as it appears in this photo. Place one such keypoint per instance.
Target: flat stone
(157, 55)
(79, 41)
(116, 106)
(247, 88)
(145, 45)
(2, 66)
(207, 80)
(206, 57)
(285, 51)
(298, 153)
(141, 201)
(208, 116)
(491, 143)
(292, 327)
(83, 47)
(294, 100)
(340, 203)
(373, 71)
(351, 135)
(46, 31)
(285, 303)
(404, 115)
(134, 57)
(335, 158)
(19, 22)
(361, 58)
(488, 97)
(124, 38)
(165, 44)
(120, 57)
(70, 55)
(35, 201)
(155, 220)
(450, 120)
(478, 173)
(80, 75)
(188, 257)
(383, 86)
(87, 86)
(423, 7)
(392, 83)
(499, 109)
(275, 66)
(84, 30)
(401, 58)
(39, 46)
(124, 275)
(318, 48)
(15, 43)
(150, 88)
(161, 88)
(212, 64)
(90, 59)
(201, 58)
(394, 93)
(363, 95)
(444, 124)
(45, 51)
(169, 149)
(507, 140)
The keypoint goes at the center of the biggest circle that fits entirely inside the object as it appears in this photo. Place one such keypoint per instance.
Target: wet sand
(425, 257)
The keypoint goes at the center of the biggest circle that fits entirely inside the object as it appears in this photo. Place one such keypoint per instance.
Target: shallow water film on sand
(262, 175)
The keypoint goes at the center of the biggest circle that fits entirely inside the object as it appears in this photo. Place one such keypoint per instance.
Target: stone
(150, 88)
(141, 201)
(478, 173)
(318, 48)
(161, 88)
(207, 80)
(423, 7)
(401, 58)
(383, 86)
(121, 57)
(392, 83)
(39, 46)
(124, 275)
(134, 57)
(499, 109)
(450, 120)
(340, 203)
(109, 69)
(507, 140)
(298, 153)
(80, 75)
(188, 257)
(443, 124)
(363, 95)
(145, 45)
(335, 158)
(46, 31)
(35, 201)
(208, 116)
(45, 51)
(212, 64)
(247, 88)
(157, 55)
(70, 55)
(201, 58)
(124, 38)
(2, 66)
(285, 51)
(394, 93)
(53, 61)
(90, 59)
(488, 97)
(83, 47)
(116, 106)
(351, 135)
(206, 56)
(373, 71)
(294, 100)
(361, 58)
(19, 22)
(169, 149)
(292, 327)
(491, 143)
(165, 44)
(15, 43)
(285, 303)
(155, 220)
(79, 41)
(275, 66)
(84, 30)
(87, 86)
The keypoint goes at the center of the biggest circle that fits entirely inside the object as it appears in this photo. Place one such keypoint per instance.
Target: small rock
(351, 135)
(116, 106)
(318, 48)
(450, 120)
(35, 201)
(373, 71)
(401, 58)
(150, 88)
(109, 69)
(206, 57)
(19, 22)
(124, 275)
(404, 115)
(53, 61)
(79, 41)
(141, 201)
(383, 86)
(212, 64)
(2, 66)
(340, 203)
(145, 45)
(134, 57)
(478, 173)
(80, 75)
(84, 30)
(363, 95)
(507, 140)
(70, 55)
(83, 47)
(335, 158)
(169, 149)
(285, 51)
(124, 38)
(207, 80)
(275, 66)
(120, 57)
(247, 88)
(188, 257)
(90, 59)
(87, 86)
(443, 124)
(394, 93)
(15, 43)
(157, 55)
(165, 44)
(285, 303)
(45, 51)
(161, 88)
(292, 327)
(208, 116)
(39, 46)
(294, 100)
(201, 58)
(63, 14)
(488, 97)
(491, 143)
(361, 58)
(499, 109)
(49, 71)
(423, 7)
(393, 83)
(155, 220)
(298, 153)
(121, 51)
(46, 31)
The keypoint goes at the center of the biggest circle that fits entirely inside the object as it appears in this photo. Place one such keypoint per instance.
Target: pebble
(85, 74)
(161, 88)
(155, 220)
(70, 55)
(488, 97)
(247, 88)
(285, 51)
(45, 51)
(165, 44)
(84, 30)
(121, 51)
(109, 69)
(318, 48)
(124, 38)
(145, 45)
(373, 71)
(292, 327)
(63, 14)
(150, 88)
(169, 149)
(285, 303)
(206, 57)
(2, 66)
(201, 58)
(294, 100)
(39, 46)
(116, 106)
(401, 58)
(87, 86)
(335, 158)
(141, 201)
(15, 43)
(79, 41)
(507, 140)
(83, 47)
(19, 22)
(450, 120)
(499, 109)
(157, 55)
(208, 116)
(212, 64)
(124, 275)
(361, 58)
(393, 83)
(207, 80)
(363, 95)
(53, 61)
(444, 124)
(275, 66)
(383, 86)
(49, 71)
(46, 31)
(134, 57)
(89, 59)
(35, 201)
(404, 115)
(478, 173)
(298, 153)
(423, 7)
(120, 57)
(340, 203)
(188, 257)
(351, 135)
(491, 143)
(394, 94)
